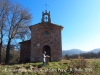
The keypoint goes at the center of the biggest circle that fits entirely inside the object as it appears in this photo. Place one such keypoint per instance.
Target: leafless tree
(18, 21)
(4, 7)
(14, 54)
(25, 34)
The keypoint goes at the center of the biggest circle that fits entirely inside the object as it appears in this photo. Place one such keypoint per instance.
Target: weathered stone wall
(39, 40)
(25, 51)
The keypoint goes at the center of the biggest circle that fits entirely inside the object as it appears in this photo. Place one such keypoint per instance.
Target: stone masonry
(25, 48)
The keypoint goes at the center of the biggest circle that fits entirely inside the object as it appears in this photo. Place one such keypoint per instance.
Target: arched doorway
(46, 48)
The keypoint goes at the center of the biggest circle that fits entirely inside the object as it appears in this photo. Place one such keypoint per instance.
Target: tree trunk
(1, 45)
(0, 51)
(8, 52)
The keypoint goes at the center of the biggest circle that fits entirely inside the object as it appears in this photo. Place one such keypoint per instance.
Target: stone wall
(39, 40)
(25, 51)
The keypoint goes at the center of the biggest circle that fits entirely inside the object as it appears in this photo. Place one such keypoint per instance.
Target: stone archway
(47, 49)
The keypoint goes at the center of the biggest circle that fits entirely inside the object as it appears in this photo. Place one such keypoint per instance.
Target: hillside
(78, 51)
(72, 51)
(95, 50)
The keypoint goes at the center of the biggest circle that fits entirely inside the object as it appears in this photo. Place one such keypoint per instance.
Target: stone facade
(25, 48)
(45, 36)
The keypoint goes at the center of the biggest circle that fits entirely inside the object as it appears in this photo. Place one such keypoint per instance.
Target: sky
(80, 19)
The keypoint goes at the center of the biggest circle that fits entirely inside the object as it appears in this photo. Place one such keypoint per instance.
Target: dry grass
(79, 66)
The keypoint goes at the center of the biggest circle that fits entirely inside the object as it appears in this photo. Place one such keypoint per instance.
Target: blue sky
(80, 19)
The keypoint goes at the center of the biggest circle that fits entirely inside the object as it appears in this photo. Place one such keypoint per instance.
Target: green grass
(53, 68)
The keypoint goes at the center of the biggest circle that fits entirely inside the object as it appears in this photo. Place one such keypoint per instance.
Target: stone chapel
(45, 36)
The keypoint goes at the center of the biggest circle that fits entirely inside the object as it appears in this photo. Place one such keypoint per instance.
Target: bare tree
(4, 7)
(26, 35)
(18, 21)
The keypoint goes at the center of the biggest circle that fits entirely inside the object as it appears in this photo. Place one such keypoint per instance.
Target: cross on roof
(46, 6)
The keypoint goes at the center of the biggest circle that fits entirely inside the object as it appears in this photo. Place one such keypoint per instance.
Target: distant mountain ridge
(78, 51)
(72, 51)
(95, 50)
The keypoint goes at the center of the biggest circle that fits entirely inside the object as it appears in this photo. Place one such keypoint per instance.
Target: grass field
(78, 66)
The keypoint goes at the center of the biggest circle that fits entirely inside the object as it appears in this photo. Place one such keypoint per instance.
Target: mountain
(95, 50)
(78, 51)
(72, 51)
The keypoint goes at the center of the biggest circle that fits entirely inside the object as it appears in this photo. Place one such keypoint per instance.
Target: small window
(46, 33)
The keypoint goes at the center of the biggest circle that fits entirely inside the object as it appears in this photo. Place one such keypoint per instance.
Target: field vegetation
(79, 66)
